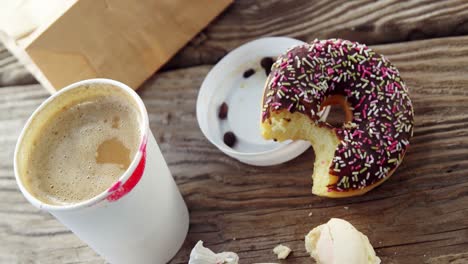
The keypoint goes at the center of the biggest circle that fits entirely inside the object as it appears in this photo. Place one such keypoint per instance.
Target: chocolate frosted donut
(360, 155)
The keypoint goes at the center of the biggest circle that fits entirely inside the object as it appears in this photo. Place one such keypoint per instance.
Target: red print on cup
(118, 190)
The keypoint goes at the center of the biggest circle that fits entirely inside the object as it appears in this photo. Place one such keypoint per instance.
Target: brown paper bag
(125, 40)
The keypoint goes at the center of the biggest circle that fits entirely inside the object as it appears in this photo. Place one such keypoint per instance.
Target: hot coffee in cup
(83, 147)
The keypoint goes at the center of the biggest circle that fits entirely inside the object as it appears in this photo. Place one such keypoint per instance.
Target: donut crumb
(282, 252)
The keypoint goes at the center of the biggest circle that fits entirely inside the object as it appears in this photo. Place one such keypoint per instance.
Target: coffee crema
(82, 148)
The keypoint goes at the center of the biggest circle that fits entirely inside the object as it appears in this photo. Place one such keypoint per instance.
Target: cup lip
(123, 178)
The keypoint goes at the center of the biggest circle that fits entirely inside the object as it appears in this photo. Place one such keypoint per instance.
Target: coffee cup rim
(144, 125)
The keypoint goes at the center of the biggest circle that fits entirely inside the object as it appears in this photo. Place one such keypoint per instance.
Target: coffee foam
(61, 159)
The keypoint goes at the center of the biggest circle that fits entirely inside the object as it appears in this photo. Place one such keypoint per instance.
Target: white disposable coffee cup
(142, 218)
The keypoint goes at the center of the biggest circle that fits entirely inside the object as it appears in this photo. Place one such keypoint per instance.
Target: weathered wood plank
(367, 21)
(420, 215)
(12, 71)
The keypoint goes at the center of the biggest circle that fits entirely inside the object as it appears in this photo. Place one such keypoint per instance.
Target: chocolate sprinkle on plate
(229, 139)
(223, 111)
(266, 64)
(249, 73)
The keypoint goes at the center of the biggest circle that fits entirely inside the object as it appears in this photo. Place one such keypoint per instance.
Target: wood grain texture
(367, 21)
(420, 215)
(11, 71)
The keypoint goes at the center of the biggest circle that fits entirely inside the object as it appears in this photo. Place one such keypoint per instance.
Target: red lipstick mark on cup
(118, 190)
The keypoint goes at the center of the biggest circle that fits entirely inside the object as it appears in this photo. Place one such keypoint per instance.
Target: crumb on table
(282, 252)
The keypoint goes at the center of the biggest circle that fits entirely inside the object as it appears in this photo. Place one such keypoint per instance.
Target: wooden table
(420, 215)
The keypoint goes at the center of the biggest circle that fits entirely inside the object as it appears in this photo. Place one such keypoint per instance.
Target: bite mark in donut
(364, 152)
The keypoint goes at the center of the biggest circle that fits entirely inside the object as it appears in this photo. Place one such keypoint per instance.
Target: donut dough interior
(283, 125)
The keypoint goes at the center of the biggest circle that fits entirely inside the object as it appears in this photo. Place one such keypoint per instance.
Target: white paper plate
(225, 83)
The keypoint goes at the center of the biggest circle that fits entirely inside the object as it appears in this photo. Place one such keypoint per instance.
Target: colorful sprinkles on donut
(372, 143)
